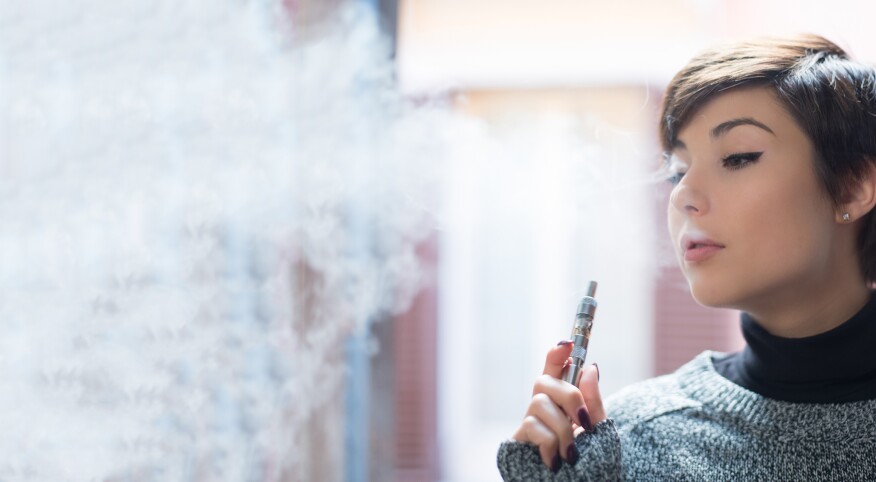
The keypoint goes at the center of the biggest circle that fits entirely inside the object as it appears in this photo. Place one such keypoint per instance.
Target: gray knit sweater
(696, 425)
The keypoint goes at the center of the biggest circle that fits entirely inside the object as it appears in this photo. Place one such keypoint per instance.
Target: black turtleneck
(832, 367)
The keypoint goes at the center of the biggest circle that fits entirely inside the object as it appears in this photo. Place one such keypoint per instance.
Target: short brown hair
(832, 98)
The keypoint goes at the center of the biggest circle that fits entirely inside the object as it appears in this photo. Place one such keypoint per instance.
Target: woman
(772, 147)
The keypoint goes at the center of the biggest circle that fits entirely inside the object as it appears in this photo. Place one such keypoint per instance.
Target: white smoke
(196, 207)
(200, 201)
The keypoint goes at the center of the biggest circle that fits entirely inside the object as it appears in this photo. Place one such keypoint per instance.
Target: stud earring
(846, 217)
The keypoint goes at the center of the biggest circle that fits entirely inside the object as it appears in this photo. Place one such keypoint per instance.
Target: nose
(688, 198)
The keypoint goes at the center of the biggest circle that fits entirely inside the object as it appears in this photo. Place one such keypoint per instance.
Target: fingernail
(597, 371)
(572, 454)
(564, 342)
(555, 463)
(584, 418)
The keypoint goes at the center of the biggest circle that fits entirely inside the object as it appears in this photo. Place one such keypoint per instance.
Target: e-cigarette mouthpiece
(581, 334)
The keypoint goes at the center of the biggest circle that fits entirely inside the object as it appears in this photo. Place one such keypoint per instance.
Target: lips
(699, 248)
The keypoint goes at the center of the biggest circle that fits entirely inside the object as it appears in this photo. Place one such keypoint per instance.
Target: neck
(803, 311)
(836, 366)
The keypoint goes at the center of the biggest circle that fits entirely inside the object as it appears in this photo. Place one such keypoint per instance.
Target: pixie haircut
(831, 97)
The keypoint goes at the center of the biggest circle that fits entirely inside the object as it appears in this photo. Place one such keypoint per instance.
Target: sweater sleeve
(600, 458)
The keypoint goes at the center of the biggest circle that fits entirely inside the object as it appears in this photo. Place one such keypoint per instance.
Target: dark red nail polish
(584, 417)
(564, 342)
(597, 371)
(572, 454)
(555, 464)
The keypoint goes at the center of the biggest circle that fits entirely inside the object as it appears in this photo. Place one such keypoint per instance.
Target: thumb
(588, 384)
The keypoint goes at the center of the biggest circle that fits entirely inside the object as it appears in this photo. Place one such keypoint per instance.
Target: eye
(740, 159)
(675, 178)
(675, 168)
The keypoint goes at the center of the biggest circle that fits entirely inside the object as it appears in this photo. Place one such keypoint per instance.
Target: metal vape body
(581, 334)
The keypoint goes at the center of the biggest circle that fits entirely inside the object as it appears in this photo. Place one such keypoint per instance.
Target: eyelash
(741, 159)
(731, 162)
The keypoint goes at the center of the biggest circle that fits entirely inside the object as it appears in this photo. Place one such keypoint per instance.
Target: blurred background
(300, 240)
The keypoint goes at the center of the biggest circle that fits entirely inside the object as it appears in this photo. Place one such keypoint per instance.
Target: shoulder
(656, 397)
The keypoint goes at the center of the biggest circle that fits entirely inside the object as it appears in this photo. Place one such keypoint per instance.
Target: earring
(846, 217)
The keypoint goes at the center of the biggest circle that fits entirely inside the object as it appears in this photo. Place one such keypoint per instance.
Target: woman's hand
(559, 411)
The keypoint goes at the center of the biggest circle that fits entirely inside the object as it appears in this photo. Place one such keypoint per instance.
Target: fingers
(547, 422)
(588, 384)
(533, 430)
(552, 416)
(566, 396)
(556, 359)
(559, 411)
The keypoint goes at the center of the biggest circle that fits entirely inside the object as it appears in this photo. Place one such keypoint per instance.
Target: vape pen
(581, 334)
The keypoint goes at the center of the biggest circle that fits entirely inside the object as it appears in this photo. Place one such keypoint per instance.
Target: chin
(712, 296)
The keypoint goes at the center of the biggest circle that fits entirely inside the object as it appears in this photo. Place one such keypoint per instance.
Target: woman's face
(748, 217)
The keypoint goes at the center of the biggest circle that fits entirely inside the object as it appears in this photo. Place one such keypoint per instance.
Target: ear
(861, 196)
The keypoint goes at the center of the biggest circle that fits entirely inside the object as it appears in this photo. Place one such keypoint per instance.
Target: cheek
(785, 229)
(797, 236)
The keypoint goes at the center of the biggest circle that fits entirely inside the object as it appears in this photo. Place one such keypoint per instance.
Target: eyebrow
(723, 127)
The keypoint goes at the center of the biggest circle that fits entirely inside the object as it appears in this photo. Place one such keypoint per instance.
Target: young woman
(772, 148)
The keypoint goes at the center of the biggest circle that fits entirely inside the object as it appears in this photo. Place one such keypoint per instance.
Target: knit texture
(695, 425)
